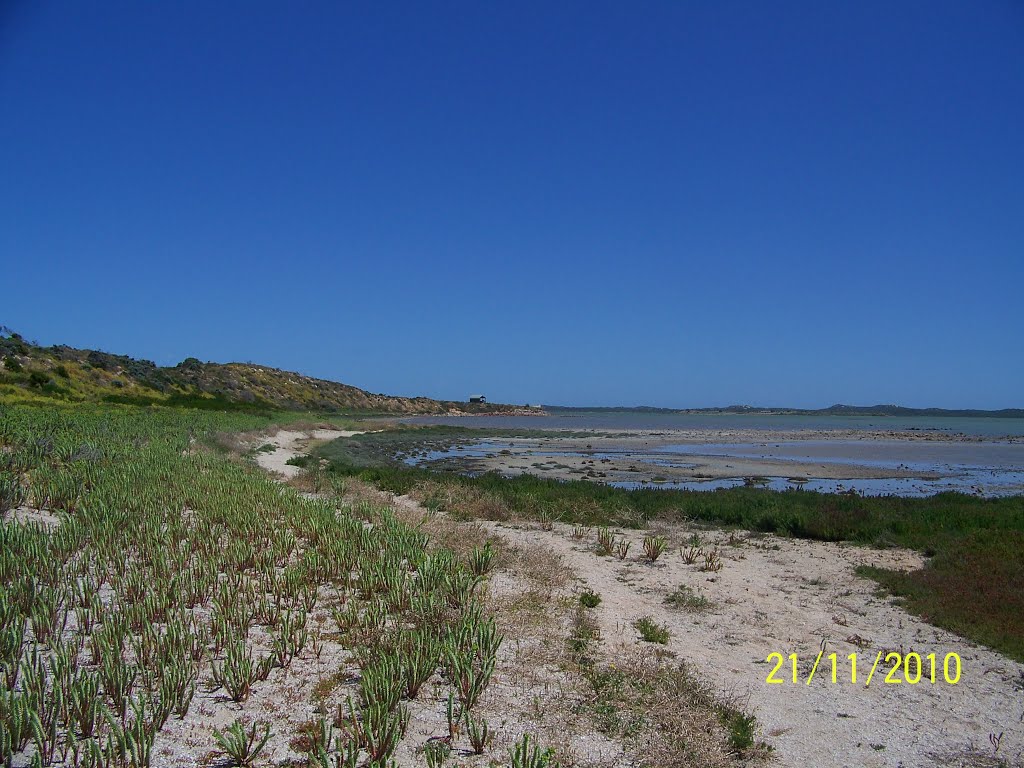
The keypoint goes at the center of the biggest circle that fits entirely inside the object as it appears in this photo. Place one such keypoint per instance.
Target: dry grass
(462, 501)
(688, 724)
(235, 443)
(538, 565)
(357, 491)
(303, 425)
(536, 685)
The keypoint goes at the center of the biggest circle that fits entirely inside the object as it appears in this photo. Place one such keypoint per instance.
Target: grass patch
(971, 588)
(584, 635)
(681, 718)
(687, 599)
(668, 715)
(741, 728)
(589, 599)
(650, 631)
(391, 447)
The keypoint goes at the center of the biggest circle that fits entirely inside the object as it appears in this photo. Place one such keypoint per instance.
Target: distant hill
(899, 410)
(832, 410)
(32, 372)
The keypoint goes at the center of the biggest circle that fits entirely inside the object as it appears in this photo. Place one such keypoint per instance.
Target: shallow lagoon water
(632, 420)
(987, 468)
(893, 454)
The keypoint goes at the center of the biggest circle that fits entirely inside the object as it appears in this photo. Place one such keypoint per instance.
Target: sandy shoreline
(782, 595)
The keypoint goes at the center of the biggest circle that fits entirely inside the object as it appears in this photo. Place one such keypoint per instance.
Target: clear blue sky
(672, 204)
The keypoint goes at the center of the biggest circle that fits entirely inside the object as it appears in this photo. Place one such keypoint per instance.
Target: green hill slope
(31, 372)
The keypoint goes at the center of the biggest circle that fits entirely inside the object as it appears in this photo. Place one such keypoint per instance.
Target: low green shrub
(652, 632)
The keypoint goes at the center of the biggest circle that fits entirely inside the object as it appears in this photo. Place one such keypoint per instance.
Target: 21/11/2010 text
(911, 668)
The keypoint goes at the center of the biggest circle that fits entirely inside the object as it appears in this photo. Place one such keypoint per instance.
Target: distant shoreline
(748, 426)
(835, 410)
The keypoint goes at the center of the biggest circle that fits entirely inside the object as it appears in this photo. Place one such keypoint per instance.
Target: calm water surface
(993, 466)
(982, 427)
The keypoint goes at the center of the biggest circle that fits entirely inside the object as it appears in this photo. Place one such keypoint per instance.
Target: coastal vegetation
(687, 599)
(650, 631)
(142, 565)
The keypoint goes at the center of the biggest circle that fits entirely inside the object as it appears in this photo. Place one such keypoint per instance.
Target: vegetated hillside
(32, 372)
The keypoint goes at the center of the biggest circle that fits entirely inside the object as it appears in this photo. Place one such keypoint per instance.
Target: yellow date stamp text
(892, 668)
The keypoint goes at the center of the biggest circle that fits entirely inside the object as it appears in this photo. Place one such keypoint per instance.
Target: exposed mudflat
(908, 463)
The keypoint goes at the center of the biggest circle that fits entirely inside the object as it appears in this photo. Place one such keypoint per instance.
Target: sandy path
(288, 444)
(776, 594)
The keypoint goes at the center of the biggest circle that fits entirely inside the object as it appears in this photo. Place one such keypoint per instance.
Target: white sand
(288, 444)
(784, 595)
